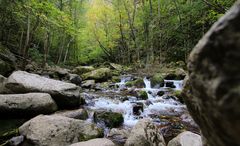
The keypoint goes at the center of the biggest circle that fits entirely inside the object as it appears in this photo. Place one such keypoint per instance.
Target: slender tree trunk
(20, 43)
(25, 49)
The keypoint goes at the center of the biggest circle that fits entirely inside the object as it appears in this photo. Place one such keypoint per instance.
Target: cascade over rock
(212, 92)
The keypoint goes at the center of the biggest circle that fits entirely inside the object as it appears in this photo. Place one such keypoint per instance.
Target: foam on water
(158, 106)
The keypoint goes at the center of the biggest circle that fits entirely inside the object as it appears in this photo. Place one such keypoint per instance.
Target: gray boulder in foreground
(57, 131)
(66, 95)
(95, 142)
(26, 105)
(186, 138)
(145, 133)
(212, 92)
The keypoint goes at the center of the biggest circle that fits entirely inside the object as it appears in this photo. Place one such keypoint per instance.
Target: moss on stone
(139, 83)
(143, 95)
(111, 119)
(157, 79)
(116, 79)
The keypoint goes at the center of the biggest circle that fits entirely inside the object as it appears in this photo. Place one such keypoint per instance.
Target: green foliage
(126, 31)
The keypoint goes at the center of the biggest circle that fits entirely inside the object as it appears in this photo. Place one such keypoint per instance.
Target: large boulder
(212, 92)
(101, 74)
(25, 105)
(145, 133)
(57, 131)
(66, 95)
(186, 138)
(95, 142)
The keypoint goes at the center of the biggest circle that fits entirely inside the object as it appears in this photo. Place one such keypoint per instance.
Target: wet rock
(101, 74)
(82, 69)
(119, 136)
(213, 89)
(142, 95)
(88, 84)
(66, 95)
(148, 102)
(178, 95)
(145, 133)
(26, 105)
(57, 131)
(137, 108)
(157, 80)
(95, 142)
(116, 79)
(186, 138)
(111, 119)
(160, 93)
(16, 141)
(81, 114)
(170, 85)
(138, 83)
(75, 79)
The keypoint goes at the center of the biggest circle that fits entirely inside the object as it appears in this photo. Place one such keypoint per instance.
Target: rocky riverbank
(63, 107)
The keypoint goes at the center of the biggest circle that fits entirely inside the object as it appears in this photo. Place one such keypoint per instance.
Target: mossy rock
(116, 73)
(83, 69)
(142, 95)
(111, 119)
(116, 79)
(179, 95)
(157, 79)
(139, 83)
(85, 137)
(101, 74)
(175, 74)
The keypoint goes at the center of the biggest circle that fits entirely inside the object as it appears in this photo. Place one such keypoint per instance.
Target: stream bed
(164, 109)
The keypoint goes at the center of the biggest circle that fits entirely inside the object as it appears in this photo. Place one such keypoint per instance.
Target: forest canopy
(94, 31)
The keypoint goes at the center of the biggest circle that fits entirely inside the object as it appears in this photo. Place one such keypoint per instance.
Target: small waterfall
(155, 105)
(124, 79)
(177, 83)
(147, 83)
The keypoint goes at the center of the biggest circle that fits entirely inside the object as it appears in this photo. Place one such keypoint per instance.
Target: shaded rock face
(57, 131)
(145, 133)
(66, 95)
(213, 89)
(7, 61)
(26, 105)
(3, 90)
(95, 142)
(186, 138)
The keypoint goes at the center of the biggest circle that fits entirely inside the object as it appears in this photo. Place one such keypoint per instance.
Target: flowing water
(155, 107)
